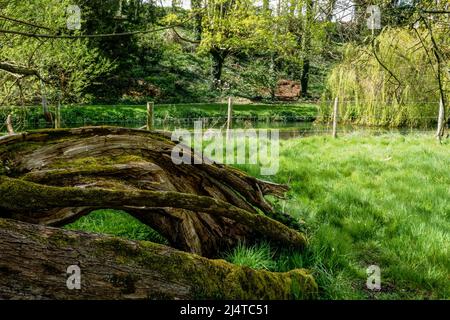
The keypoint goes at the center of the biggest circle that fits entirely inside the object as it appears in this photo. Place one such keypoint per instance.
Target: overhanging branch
(19, 70)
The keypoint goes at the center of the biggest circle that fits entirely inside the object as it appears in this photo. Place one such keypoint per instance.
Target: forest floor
(364, 200)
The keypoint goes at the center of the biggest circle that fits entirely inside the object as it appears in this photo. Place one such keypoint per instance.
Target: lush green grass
(365, 200)
(258, 256)
(137, 114)
(372, 200)
(117, 223)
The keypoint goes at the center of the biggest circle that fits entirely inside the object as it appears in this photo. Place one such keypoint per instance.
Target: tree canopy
(135, 51)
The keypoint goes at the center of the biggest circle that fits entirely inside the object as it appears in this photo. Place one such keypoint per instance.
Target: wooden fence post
(229, 117)
(150, 115)
(230, 114)
(440, 124)
(335, 116)
(58, 116)
(9, 126)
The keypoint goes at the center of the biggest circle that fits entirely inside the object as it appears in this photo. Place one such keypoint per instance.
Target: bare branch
(18, 70)
(31, 24)
(105, 35)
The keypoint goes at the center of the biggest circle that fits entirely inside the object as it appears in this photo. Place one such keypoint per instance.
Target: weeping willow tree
(391, 82)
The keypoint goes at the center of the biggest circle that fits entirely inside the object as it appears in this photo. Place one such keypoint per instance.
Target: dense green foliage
(217, 42)
(135, 51)
(259, 256)
(364, 200)
(66, 67)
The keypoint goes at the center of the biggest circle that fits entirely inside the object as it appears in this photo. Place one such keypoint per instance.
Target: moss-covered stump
(34, 260)
(53, 177)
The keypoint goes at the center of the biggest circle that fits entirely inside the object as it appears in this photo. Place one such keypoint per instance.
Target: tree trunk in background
(441, 123)
(9, 126)
(46, 112)
(306, 46)
(34, 263)
(218, 57)
(360, 15)
(331, 5)
(197, 6)
(305, 77)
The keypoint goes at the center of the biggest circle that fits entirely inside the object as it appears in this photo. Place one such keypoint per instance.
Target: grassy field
(137, 114)
(364, 200)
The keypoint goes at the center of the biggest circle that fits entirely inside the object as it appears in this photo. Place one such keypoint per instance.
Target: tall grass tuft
(258, 256)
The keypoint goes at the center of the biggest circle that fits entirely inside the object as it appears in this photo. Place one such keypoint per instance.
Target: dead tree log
(34, 261)
(53, 177)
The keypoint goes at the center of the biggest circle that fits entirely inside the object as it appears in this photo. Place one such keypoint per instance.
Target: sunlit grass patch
(116, 223)
(365, 200)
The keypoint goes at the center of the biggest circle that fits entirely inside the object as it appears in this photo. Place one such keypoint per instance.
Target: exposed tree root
(53, 177)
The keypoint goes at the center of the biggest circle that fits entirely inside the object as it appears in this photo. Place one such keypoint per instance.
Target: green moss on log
(119, 268)
(227, 281)
(94, 163)
(212, 278)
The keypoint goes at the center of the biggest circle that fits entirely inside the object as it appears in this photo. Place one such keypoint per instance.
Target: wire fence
(255, 121)
(289, 122)
(287, 129)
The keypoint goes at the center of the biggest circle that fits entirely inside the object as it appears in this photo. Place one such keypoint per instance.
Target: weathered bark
(34, 261)
(306, 46)
(218, 57)
(54, 177)
(30, 196)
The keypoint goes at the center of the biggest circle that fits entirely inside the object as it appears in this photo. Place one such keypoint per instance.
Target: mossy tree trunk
(34, 262)
(53, 177)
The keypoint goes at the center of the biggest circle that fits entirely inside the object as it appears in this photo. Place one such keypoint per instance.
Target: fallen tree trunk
(53, 177)
(34, 260)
